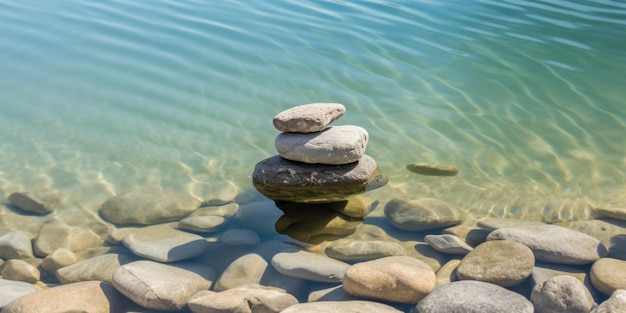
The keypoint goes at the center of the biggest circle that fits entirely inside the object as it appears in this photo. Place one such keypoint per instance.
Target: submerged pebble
(432, 169)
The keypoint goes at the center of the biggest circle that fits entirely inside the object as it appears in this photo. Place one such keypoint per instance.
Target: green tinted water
(525, 98)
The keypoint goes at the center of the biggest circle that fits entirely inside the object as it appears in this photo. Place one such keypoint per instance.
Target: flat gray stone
(164, 244)
(86, 297)
(251, 298)
(310, 266)
(15, 245)
(615, 304)
(54, 234)
(554, 244)
(20, 270)
(39, 201)
(308, 118)
(361, 250)
(396, 278)
(561, 294)
(162, 286)
(432, 169)
(11, 290)
(356, 306)
(421, 214)
(240, 237)
(470, 296)
(147, 206)
(502, 262)
(99, 268)
(608, 275)
(202, 224)
(335, 145)
(280, 179)
(447, 243)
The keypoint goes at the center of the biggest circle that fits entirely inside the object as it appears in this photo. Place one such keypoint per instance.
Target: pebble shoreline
(171, 252)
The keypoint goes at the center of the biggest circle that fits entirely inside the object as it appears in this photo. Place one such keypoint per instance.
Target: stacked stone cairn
(316, 161)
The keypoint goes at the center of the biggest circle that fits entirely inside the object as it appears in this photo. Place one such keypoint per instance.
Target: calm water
(526, 98)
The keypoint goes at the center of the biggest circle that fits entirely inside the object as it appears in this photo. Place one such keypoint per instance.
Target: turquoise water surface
(526, 98)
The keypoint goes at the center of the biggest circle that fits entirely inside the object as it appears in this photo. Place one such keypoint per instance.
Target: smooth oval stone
(432, 169)
(356, 306)
(421, 214)
(608, 275)
(57, 259)
(164, 244)
(247, 269)
(11, 290)
(87, 297)
(20, 270)
(280, 179)
(561, 294)
(310, 266)
(40, 201)
(447, 243)
(555, 244)
(360, 250)
(470, 296)
(308, 118)
(54, 234)
(240, 237)
(162, 286)
(615, 304)
(15, 245)
(395, 278)
(335, 145)
(203, 224)
(99, 268)
(251, 298)
(147, 206)
(502, 262)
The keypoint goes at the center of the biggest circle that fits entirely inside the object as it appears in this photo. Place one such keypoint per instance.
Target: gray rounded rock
(308, 118)
(615, 304)
(310, 266)
(202, 224)
(555, 244)
(164, 244)
(360, 250)
(421, 214)
(447, 243)
(99, 268)
(561, 294)
(280, 179)
(15, 245)
(20, 270)
(502, 262)
(40, 201)
(470, 296)
(335, 145)
(11, 290)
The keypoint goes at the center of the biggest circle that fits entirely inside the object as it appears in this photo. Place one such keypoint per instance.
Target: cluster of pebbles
(169, 252)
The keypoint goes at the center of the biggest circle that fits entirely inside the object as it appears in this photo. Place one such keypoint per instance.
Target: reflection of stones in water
(315, 222)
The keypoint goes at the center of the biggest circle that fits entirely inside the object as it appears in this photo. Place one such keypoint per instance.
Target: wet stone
(11, 290)
(447, 243)
(395, 278)
(164, 244)
(20, 270)
(432, 169)
(356, 306)
(247, 269)
(561, 294)
(240, 237)
(472, 296)
(447, 272)
(310, 266)
(57, 259)
(54, 234)
(336, 293)
(335, 145)
(608, 275)
(603, 229)
(40, 201)
(612, 212)
(308, 118)
(545, 271)
(421, 214)
(360, 250)
(148, 206)
(162, 286)
(99, 268)
(554, 244)
(202, 224)
(473, 236)
(251, 298)
(615, 304)
(87, 297)
(502, 262)
(226, 210)
(493, 223)
(280, 179)
(15, 245)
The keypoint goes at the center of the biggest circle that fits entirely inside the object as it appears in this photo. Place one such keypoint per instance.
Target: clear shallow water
(526, 98)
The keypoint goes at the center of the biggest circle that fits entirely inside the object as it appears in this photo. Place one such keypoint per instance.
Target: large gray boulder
(335, 145)
(281, 179)
(308, 118)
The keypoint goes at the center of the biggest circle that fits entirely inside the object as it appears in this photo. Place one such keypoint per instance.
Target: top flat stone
(308, 118)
